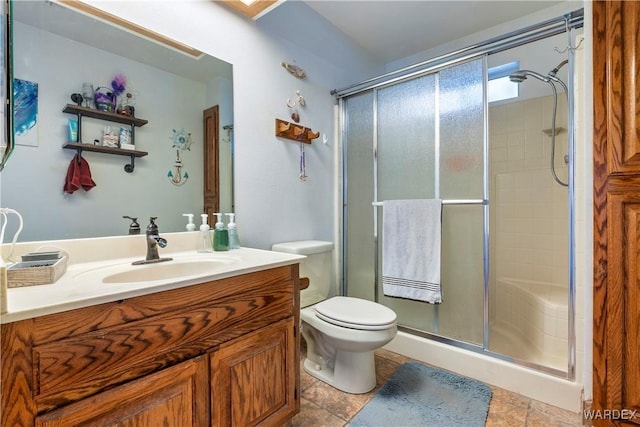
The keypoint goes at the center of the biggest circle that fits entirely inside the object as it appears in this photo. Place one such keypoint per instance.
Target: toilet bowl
(341, 333)
(341, 345)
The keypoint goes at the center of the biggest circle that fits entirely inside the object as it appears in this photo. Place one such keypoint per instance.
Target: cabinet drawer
(54, 327)
(176, 396)
(75, 367)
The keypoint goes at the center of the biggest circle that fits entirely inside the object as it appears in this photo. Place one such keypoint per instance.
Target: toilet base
(352, 372)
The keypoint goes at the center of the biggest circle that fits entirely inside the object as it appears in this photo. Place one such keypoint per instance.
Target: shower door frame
(563, 24)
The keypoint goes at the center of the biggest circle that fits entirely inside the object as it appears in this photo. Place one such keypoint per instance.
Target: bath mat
(419, 395)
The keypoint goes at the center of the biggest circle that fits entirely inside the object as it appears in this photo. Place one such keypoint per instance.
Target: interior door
(211, 133)
(616, 303)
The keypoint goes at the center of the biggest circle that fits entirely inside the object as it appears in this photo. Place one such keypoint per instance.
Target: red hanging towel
(85, 175)
(72, 180)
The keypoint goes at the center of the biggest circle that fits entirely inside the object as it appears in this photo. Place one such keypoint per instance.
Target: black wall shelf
(103, 115)
(81, 112)
(109, 150)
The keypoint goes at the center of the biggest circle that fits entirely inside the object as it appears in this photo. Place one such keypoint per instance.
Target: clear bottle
(190, 225)
(234, 239)
(205, 245)
(220, 235)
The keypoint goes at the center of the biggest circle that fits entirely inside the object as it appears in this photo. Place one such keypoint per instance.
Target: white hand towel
(411, 237)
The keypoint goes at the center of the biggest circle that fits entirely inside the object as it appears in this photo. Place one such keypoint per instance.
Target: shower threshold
(556, 369)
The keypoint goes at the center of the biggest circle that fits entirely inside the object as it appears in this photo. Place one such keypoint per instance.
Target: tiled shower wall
(529, 210)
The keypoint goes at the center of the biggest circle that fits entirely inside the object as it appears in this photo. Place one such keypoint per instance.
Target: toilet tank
(317, 267)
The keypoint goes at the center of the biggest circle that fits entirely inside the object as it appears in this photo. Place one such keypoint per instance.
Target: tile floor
(324, 406)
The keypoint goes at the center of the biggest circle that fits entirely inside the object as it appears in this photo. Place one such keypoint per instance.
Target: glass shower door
(407, 169)
(359, 250)
(426, 141)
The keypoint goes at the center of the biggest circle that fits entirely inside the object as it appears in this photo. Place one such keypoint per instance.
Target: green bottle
(220, 235)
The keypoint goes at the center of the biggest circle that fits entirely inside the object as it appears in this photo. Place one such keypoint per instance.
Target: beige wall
(529, 209)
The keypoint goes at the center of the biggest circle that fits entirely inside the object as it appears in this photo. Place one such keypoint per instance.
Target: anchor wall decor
(177, 177)
(181, 141)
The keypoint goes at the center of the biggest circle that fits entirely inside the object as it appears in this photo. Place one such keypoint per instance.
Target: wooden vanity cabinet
(220, 353)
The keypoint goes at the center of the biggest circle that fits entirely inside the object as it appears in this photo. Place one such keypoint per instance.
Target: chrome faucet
(153, 241)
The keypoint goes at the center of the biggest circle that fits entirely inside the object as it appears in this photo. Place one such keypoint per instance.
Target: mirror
(55, 50)
(6, 140)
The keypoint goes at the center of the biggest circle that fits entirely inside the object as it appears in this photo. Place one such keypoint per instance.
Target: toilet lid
(355, 313)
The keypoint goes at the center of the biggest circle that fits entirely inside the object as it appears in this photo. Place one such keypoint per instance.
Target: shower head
(518, 77)
(521, 75)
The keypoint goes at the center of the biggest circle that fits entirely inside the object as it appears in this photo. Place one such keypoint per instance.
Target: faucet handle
(134, 227)
(152, 227)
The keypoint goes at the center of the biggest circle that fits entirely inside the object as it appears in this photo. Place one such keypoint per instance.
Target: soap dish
(42, 272)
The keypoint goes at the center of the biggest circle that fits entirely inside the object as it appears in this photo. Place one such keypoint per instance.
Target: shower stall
(504, 171)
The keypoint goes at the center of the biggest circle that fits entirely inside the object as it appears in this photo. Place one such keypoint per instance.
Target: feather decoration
(119, 84)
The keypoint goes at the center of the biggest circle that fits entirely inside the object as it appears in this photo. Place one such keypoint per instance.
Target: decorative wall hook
(282, 127)
(298, 132)
(294, 111)
(569, 47)
(295, 132)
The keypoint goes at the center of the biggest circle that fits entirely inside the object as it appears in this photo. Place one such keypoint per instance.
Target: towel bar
(453, 202)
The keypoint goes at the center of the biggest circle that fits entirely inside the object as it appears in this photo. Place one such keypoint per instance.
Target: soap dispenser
(204, 234)
(190, 225)
(220, 235)
(234, 240)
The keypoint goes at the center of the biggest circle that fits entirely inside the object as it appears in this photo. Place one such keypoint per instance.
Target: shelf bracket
(129, 168)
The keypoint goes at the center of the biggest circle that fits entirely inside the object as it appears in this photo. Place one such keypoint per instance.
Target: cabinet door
(253, 378)
(176, 396)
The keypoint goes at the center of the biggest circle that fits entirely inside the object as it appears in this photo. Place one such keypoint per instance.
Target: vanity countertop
(82, 285)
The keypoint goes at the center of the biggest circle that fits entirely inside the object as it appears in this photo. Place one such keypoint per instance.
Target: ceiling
(391, 30)
(388, 29)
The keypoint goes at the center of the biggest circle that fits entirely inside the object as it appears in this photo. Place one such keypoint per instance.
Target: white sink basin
(174, 269)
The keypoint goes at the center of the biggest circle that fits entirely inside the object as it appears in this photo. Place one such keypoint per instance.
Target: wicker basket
(29, 273)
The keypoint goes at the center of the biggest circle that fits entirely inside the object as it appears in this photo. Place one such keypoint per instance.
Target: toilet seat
(355, 313)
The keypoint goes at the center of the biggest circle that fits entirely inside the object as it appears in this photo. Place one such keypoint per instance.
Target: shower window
(499, 86)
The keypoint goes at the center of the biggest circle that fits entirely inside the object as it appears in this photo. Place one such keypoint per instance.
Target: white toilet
(341, 332)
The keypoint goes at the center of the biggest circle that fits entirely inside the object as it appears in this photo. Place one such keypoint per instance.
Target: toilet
(341, 332)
